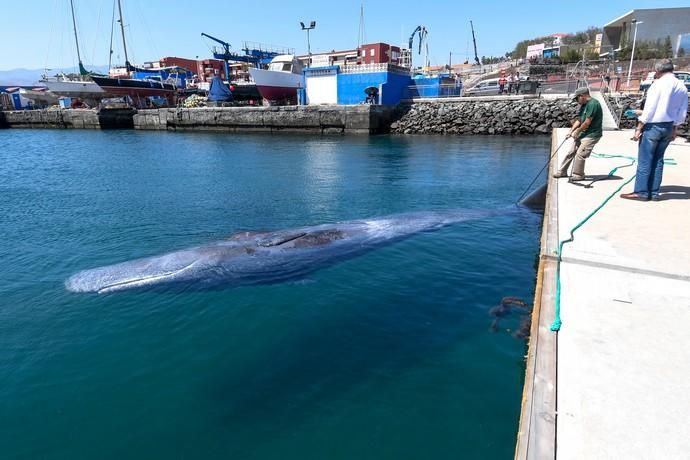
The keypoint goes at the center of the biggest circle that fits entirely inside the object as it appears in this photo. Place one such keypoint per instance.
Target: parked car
(490, 87)
(484, 88)
(682, 76)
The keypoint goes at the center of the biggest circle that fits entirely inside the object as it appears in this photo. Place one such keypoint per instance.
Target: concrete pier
(354, 119)
(613, 382)
(68, 119)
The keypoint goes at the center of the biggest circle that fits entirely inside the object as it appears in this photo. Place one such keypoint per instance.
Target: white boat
(39, 97)
(63, 86)
(76, 88)
(280, 81)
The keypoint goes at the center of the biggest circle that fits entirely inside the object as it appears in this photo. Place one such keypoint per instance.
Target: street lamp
(632, 54)
(312, 25)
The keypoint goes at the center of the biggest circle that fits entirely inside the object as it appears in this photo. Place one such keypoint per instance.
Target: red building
(205, 68)
(379, 53)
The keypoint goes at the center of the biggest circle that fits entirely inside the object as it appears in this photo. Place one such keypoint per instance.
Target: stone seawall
(68, 119)
(355, 119)
(532, 116)
(57, 118)
(358, 119)
(519, 116)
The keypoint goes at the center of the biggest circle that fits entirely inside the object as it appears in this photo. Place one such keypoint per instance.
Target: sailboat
(134, 87)
(77, 88)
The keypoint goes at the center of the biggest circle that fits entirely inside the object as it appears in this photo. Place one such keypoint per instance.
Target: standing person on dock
(586, 132)
(502, 83)
(511, 83)
(665, 109)
(517, 82)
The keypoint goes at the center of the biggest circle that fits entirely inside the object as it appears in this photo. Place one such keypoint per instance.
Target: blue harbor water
(387, 355)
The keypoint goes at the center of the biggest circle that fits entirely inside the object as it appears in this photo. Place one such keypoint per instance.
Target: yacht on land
(279, 83)
(81, 87)
(134, 87)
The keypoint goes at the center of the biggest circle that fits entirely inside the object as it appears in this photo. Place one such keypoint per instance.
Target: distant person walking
(666, 108)
(586, 132)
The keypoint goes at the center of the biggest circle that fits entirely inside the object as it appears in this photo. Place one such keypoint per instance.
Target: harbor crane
(474, 41)
(258, 55)
(225, 56)
(421, 31)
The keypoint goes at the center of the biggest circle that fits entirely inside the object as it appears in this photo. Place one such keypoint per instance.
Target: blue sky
(37, 33)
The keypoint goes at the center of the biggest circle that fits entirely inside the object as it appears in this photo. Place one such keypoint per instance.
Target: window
(372, 52)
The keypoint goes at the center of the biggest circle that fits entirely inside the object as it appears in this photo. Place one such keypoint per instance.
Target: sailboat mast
(74, 24)
(122, 27)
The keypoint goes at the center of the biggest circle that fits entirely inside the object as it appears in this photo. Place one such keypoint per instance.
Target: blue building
(346, 85)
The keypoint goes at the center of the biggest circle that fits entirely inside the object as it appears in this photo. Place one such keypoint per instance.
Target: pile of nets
(194, 101)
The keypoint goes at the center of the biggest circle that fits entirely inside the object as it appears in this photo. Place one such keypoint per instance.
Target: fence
(447, 90)
(371, 68)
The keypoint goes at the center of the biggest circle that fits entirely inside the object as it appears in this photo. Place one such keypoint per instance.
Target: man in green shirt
(586, 132)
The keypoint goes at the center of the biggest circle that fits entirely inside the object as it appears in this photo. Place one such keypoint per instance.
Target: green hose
(556, 325)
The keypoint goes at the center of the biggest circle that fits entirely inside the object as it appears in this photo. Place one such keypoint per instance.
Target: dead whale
(264, 257)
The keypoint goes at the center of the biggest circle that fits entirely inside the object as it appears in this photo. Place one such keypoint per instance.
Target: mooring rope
(541, 170)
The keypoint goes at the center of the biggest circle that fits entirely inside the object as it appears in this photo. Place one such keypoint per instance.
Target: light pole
(312, 25)
(632, 54)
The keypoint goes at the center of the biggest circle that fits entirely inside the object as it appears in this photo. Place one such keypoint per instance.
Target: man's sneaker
(560, 174)
(576, 178)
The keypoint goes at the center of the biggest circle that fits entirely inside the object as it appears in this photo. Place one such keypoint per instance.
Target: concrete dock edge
(536, 437)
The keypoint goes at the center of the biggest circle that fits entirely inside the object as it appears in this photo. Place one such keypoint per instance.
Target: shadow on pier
(116, 118)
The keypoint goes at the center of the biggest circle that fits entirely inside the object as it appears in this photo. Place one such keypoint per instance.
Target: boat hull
(276, 86)
(76, 89)
(40, 98)
(245, 92)
(134, 88)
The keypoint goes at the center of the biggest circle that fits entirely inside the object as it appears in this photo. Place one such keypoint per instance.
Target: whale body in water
(264, 257)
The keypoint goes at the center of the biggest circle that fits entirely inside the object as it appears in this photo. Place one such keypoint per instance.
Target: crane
(474, 40)
(225, 56)
(422, 32)
(257, 55)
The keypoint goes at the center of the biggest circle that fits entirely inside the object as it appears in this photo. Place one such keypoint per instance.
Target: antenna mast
(361, 37)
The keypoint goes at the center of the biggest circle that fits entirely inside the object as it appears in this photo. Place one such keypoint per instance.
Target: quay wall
(53, 118)
(450, 117)
(499, 116)
(354, 119)
(68, 119)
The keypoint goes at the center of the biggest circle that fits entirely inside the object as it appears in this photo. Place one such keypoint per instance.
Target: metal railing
(369, 68)
(616, 111)
(431, 91)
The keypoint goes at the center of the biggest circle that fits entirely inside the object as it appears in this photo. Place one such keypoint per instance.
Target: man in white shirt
(666, 109)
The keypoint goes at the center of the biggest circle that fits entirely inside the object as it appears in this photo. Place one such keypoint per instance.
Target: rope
(540, 171)
(556, 325)
(612, 172)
